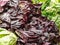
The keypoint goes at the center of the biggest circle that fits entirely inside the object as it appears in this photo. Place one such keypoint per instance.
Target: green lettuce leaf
(7, 37)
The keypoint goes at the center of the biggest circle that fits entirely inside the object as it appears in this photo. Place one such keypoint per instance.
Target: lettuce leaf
(7, 37)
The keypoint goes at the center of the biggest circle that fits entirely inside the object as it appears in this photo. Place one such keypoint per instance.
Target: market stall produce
(24, 18)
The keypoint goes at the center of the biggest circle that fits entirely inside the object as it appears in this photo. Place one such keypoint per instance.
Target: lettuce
(7, 38)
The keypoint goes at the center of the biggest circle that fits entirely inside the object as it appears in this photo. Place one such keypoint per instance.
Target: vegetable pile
(51, 10)
(25, 19)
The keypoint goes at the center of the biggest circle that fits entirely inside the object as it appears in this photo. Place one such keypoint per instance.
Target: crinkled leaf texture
(7, 38)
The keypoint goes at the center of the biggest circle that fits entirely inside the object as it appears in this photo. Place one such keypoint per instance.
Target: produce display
(24, 18)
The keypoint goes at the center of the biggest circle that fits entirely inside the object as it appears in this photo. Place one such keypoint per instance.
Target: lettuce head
(7, 37)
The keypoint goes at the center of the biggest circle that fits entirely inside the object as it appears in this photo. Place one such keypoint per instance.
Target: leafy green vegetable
(45, 4)
(51, 9)
(7, 38)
